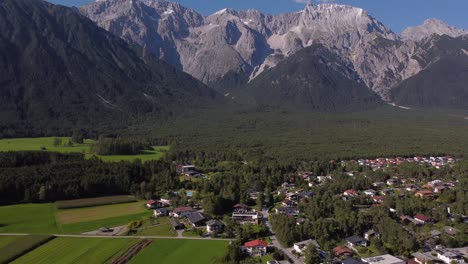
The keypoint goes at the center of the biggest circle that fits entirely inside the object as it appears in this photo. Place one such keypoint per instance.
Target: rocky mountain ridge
(237, 46)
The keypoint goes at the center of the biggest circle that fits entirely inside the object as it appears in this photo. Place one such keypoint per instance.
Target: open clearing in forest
(37, 144)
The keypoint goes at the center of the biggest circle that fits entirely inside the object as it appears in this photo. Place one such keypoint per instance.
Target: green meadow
(169, 251)
(38, 144)
(65, 250)
(47, 219)
(12, 247)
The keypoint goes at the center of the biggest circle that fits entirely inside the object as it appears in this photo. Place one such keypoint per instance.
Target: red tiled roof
(256, 243)
(342, 250)
(421, 217)
(150, 202)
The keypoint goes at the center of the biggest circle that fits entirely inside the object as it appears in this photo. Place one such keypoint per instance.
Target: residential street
(275, 241)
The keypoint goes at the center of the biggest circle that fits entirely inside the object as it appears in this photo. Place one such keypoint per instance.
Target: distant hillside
(444, 81)
(60, 71)
(312, 79)
(444, 84)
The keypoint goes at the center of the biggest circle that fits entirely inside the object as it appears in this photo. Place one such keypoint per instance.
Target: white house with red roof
(350, 193)
(256, 248)
(157, 204)
(423, 219)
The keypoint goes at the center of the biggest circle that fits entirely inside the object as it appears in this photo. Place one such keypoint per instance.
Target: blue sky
(397, 14)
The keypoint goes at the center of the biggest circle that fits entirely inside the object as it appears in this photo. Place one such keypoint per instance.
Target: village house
(256, 248)
(354, 241)
(425, 258)
(152, 204)
(299, 247)
(176, 225)
(288, 186)
(350, 193)
(384, 259)
(214, 225)
(425, 194)
(378, 184)
(392, 181)
(245, 215)
(450, 256)
(422, 219)
(371, 233)
(198, 219)
(378, 199)
(181, 212)
(342, 252)
(184, 168)
(162, 212)
(289, 203)
(386, 192)
(290, 211)
(370, 192)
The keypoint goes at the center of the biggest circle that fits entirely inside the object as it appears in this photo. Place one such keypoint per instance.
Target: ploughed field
(47, 144)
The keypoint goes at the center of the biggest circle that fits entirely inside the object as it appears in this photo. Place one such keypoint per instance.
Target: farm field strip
(12, 247)
(78, 215)
(28, 218)
(98, 201)
(77, 250)
(168, 251)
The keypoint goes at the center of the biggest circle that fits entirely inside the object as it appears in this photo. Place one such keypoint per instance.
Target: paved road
(275, 242)
(96, 236)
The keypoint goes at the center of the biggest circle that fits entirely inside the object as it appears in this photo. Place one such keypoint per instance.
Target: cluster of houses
(380, 163)
(439, 255)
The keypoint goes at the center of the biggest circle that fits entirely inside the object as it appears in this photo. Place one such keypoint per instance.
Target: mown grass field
(47, 219)
(169, 251)
(28, 218)
(87, 214)
(65, 250)
(12, 247)
(90, 202)
(35, 144)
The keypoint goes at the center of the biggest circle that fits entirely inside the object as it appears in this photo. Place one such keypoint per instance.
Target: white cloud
(306, 2)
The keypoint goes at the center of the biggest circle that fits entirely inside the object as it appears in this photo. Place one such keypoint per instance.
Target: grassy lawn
(12, 247)
(157, 227)
(28, 218)
(190, 233)
(87, 214)
(370, 251)
(41, 218)
(169, 251)
(77, 250)
(35, 144)
(89, 202)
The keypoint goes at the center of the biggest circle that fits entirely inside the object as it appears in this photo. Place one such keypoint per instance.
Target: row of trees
(119, 146)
